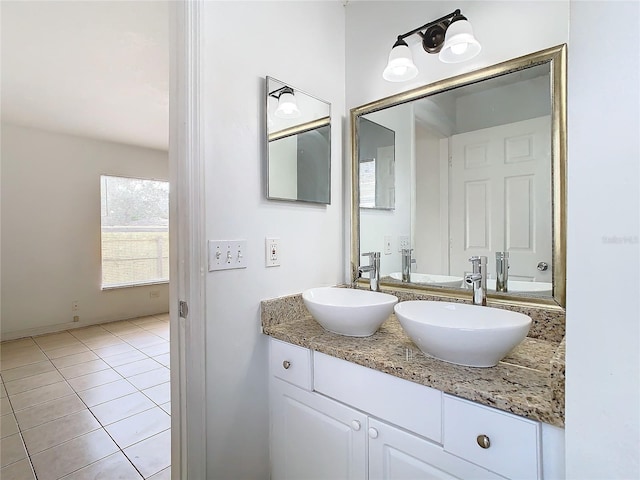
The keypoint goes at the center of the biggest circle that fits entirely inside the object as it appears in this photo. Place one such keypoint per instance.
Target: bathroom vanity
(377, 407)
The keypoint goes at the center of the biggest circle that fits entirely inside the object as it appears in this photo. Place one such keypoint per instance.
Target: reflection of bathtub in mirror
(519, 286)
(426, 278)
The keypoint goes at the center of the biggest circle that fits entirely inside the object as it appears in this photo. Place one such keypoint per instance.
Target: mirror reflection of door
(500, 191)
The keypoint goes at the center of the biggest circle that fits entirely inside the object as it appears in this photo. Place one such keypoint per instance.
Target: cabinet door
(313, 437)
(398, 455)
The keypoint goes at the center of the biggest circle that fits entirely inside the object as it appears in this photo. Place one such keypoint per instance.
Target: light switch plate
(387, 244)
(227, 254)
(403, 242)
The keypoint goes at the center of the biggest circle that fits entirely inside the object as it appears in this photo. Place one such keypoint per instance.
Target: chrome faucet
(478, 280)
(373, 269)
(406, 264)
(502, 271)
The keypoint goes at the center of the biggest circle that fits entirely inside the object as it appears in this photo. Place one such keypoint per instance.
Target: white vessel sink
(440, 280)
(519, 286)
(347, 311)
(468, 335)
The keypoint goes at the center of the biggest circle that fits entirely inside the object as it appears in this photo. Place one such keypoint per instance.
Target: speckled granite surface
(528, 382)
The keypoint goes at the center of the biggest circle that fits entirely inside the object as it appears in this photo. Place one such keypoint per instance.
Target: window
(135, 231)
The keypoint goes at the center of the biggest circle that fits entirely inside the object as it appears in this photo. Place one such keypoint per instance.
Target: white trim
(186, 165)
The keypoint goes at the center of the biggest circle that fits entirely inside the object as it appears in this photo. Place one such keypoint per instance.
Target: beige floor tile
(155, 324)
(160, 393)
(13, 345)
(26, 357)
(150, 378)
(113, 467)
(5, 406)
(27, 371)
(166, 407)
(124, 358)
(40, 395)
(110, 391)
(11, 450)
(123, 407)
(162, 316)
(164, 359)
(85, 333)
(55, 340)
(139, 427)
(8, 425)
(49, 411)
(110, 351)
(152, 455)
(73, 455)
(3, 391)
(29, 383)
(109, 340)
(66, 351)
(83, 369)
(135, 368)
(76, 359)
(59, 431)
(18, 471)
(156, 350)
(95, 379)
(141, 340)
(143, 320)
(123, 327)
(163, 475)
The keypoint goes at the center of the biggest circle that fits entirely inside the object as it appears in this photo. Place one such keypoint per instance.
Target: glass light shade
(400, 67)
(459, 43)
(287, 106)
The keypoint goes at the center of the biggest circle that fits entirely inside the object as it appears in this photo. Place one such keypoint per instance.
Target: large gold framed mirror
(479, 170)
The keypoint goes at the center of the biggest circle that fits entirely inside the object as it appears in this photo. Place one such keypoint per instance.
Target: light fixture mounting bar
(280, 91)
(429, 25)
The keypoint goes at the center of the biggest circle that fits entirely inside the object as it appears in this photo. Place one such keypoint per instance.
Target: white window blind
(135, 231)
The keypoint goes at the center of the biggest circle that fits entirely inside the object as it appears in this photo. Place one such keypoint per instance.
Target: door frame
(187, 242)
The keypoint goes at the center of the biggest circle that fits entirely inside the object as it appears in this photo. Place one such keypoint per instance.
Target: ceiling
(97, 69)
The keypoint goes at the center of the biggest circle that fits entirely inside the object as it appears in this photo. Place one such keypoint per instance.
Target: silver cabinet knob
(355, 425)
(373, 433)
(483, 441)
(543, 266)
(286, 364)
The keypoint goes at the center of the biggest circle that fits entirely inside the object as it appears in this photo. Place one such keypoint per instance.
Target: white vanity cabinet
(332, 419)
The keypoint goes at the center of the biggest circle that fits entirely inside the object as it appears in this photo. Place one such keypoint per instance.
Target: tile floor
(87, 403)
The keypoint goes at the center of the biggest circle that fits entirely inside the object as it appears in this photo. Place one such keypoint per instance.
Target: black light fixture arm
(432, 33)
(276, 93)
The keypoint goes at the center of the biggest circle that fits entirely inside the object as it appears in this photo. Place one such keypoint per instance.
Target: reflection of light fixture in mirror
(451, 36)
(287, 105)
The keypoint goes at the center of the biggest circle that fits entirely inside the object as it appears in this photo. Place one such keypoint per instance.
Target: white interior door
(500, 198)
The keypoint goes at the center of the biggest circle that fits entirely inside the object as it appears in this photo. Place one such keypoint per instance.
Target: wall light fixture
(451, 36)
(287, 104)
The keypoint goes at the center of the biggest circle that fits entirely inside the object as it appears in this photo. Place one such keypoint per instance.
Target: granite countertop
(527, 382)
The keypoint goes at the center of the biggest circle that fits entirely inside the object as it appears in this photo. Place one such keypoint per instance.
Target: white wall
(51, 230)
(301, 43)
(603, 310)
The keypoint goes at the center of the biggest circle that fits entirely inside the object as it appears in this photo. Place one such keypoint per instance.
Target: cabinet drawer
(513, 449)
(290, 363)
(406, 404)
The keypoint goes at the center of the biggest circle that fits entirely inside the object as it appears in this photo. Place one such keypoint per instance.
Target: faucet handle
(372, 255)
(407, 251)
(479, 259)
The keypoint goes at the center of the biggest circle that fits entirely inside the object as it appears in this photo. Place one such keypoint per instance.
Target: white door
(500, 191)
(398, 455)
(313, 437)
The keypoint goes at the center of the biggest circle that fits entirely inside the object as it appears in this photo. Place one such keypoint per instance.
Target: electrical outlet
(75, 306)
(387, 244)
(272, 252)
(403, 242)
(76, 318)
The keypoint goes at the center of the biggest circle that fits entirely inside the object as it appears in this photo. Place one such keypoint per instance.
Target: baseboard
(61, 327)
